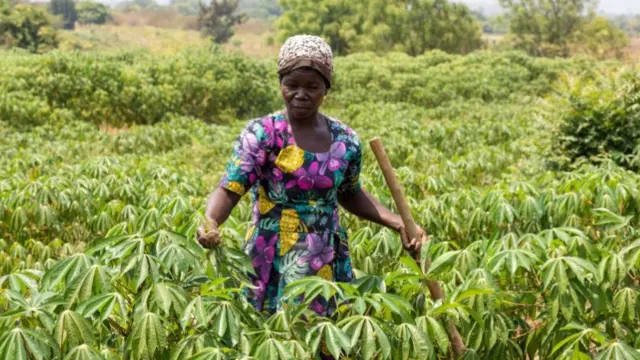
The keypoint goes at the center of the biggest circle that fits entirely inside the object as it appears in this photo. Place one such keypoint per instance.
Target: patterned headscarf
(306, 51)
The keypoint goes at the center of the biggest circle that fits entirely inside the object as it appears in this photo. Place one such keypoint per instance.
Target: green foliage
(601, 39)
(630, 23)
(263, 9)
(116, 90)
(411, 26)
(129, 5)
(218, 19)
(67, 10)
(26, 27)
(602, 119)
(187, 7)
(545, 27)
(98, 257)
(436, 78)
(92, 13)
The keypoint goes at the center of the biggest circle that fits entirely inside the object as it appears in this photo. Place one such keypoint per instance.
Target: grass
(255, 38)
(251, 38)
(127, 37)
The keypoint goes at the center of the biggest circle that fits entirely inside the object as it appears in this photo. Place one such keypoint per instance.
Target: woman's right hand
(219, 206)
(208, 235)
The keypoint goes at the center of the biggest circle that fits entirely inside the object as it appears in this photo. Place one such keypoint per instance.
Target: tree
(438, 24)
(601, 38)
(411, 26)
(145, 4)
(336, 21)
(263, 9)
(186, 7)
(67, 9)
(545, 27)
(27, 27)
(92, 13)
(218, 19)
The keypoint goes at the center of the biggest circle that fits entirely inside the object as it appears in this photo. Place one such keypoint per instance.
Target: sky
(605, 6)
(492, 7)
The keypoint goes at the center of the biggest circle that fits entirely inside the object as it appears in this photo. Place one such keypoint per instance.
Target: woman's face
(303, 91)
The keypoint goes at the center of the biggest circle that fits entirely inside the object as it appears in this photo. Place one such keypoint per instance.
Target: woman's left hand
(412, 245)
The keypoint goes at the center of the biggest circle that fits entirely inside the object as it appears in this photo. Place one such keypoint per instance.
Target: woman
(300, 165)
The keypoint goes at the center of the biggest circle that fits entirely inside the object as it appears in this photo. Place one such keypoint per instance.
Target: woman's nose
(301, 95)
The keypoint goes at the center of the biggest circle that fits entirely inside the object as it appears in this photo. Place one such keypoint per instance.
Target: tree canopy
(66, 9)
(545, 27)
(90, 12)
(411, 26)
(218, 19)
(26, 27)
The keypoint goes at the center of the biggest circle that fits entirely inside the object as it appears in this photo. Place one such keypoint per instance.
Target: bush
(436, 78)
(603, 120)
(136, 88)
(92, 13)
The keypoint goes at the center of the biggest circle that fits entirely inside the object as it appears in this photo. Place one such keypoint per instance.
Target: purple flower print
(276, 180)
(277, 174)
(252, 157)
(334, 158)
(255, 213)
(261, 288)
(273, 128)
(319, 252)
(317, 306)
(265, 253)
(307, 179)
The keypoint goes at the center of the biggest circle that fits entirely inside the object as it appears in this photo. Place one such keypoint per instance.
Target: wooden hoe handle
(410, 227)
(394, 186)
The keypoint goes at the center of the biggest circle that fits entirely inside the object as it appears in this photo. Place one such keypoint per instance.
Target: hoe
(396, 192)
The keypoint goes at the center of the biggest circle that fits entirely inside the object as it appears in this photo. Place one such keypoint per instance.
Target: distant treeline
(628, 23)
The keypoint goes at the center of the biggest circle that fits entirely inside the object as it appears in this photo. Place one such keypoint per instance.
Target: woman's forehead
(305, 73)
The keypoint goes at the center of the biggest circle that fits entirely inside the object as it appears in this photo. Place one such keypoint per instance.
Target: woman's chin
(301, 113)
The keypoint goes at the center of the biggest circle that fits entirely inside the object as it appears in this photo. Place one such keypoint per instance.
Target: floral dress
(295, 230)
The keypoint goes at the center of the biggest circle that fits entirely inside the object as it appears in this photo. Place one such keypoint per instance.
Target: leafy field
(108, 159)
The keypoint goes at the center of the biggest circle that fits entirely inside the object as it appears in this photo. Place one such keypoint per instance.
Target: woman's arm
(220, 204)
(219, 207)
(363, 205)
(240, 175)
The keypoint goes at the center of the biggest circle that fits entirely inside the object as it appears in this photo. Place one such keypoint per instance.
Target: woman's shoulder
(267, 121)
(267, 127)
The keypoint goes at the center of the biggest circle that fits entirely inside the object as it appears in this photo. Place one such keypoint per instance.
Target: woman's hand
(412, 245)
(219, 206)
(208, 235)
(363, 205)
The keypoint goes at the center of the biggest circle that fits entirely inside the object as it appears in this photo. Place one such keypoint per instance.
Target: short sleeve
(248, 157)
(351, 183)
